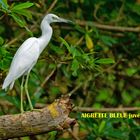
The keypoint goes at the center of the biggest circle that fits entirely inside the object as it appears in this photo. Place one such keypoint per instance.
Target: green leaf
(22, 6)
(134, 8)
(89, 42)
(107, 40)
(117, 133)
(4, 5)
(23, 12)
(103, 95)
(101, 126)
(54, 90)
(52, 135)
(57, 50)
(65, 43)
(127, 98)
(5, 58)
(78, 28)
(25, 138)
(75, 67)
(18, 20)
(4, 2)
(1, 40)
(74, 51)
(110, 131)
(131, 71)
(29, 31)
(2, 93)
(105, 61)
(12, 99)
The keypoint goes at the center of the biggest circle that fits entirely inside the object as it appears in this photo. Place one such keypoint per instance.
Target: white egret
(27, 55)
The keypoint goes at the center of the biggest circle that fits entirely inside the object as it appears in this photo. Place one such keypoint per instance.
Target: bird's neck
(46, 28)
(46, 36)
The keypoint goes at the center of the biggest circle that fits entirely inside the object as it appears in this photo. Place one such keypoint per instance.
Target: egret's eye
(54, 18)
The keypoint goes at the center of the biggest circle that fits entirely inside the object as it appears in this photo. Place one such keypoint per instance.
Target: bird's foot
(21, 111)
(34, 109)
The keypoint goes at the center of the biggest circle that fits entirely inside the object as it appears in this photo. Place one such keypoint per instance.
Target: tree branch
(45, 81)
(108, 27)
(51, 6)
(50, 118)
(90, 109)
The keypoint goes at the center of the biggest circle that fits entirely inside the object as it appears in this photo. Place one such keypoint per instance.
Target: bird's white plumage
(28, 53)
(23, 61)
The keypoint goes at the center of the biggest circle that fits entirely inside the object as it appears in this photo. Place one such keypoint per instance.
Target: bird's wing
(25, 57)
(23, 61)
(27, 44)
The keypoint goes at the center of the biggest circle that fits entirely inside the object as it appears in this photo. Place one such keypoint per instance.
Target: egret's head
(50, 18)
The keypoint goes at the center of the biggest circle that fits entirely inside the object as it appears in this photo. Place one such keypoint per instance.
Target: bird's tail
(8, 82)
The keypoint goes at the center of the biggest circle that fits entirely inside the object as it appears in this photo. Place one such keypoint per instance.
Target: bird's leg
(27, 93)
(21, 96)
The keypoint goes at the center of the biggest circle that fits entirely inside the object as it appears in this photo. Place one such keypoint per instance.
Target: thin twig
(2, 16)
(20, 36)
(48, 77)
(74, 90)
(120, 12)
(97, 7)
(52, 6)
(90, 109)
(15, 39)
(45, 81)
(79, 41)
(122, 74)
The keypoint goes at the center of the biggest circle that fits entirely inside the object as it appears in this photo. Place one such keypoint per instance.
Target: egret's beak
(65, 21)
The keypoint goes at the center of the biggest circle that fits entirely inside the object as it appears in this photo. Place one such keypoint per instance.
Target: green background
(99, 64)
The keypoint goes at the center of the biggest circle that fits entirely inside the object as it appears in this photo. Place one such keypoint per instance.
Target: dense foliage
(98, 64)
